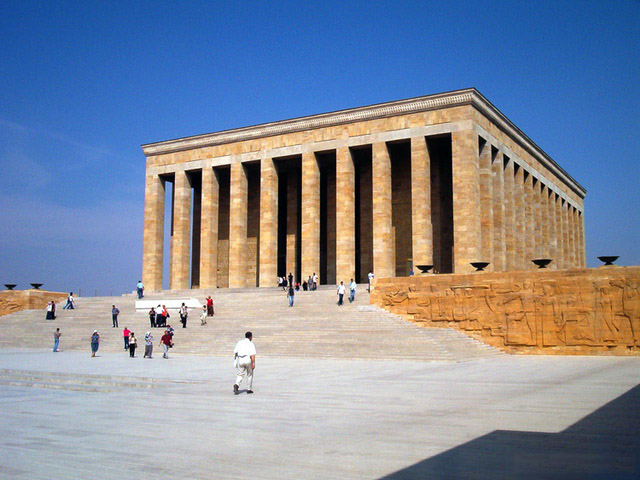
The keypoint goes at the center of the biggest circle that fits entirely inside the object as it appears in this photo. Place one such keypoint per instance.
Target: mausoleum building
(442, 180)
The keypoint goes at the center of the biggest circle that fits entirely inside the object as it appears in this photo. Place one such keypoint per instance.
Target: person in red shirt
(125, 333)
(210, 306)
(166, 343)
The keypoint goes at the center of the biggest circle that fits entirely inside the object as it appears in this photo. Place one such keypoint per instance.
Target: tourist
(148, 345)
(297, 286)
(165, 315)
(140, 289)
(133, 343)
(159, 316)
(166, 342)
(352, 291)
(283, 283)
(95, 343)
(203, 315)
(210, 310)
(152, 317)
(115, 311)
(310, 282)
(304, 286)
(245, 361)
(170, 330)
(125, 334)
(315, 281)
(56, 339)
(370, 277)
(70, 303)
(51, 310)
(290, 278)
(184, 313)
(341, 290)
(290, 294)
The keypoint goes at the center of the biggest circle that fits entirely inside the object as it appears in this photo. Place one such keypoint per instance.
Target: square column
(529, 222)
(509, 214)
(422, 228)
(573, 237)
(209, 229)
(152, 257)
(560, 232)
(486, 205)
(181, 238)
(268, 223)
(238, 227)
(466, 201)
(345, 216)
(310, 215)
(542, 222)
(583, 241)
(498, 210)
(383, 254)
(518, 201)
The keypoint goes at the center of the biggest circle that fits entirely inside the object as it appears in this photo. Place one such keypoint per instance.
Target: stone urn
(542, 262)
(424, 268)
(608, 260)
(37, 285)
(479, 266)
(10, 286)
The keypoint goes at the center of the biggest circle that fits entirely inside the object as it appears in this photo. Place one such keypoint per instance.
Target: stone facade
(440, 180)
(575, 311)
(12, 301)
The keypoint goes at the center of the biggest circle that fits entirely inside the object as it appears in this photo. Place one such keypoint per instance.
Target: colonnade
(464, 197)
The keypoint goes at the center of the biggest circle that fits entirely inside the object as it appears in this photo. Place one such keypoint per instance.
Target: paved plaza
(68, 416)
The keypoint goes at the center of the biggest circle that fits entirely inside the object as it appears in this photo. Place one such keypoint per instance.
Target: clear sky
(84, 84)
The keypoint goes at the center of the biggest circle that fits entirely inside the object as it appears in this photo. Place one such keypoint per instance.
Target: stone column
(383, 255)
(509, 215)
(181, 238)
(498, 209)
(152, 258)
(583, 241)
(292, 223)
(268, 223)
(566, 236)
(310, 215)
(519, 236)
(553, 229)
(345, 216)
(422, 228)
(529, 222)
(543, 244)
(574, 237)
(560, 232)
(466, 201)
(486, 206)
(209, 229)
(238, 227)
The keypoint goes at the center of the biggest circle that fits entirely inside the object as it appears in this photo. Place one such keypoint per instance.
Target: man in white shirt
(352, 291)
(370, 277)
(245, 362)
(341, 290)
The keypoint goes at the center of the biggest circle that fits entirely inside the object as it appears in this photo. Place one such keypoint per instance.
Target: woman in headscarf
(95, 343)
(148, 345)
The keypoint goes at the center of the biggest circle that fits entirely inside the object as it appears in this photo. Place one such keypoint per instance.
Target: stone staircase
(315, 327)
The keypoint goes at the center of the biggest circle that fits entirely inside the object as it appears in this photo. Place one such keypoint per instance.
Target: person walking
(152, 317)
(95, 343)
(148, 345)
(352, 291)
(125, 334)
(290, 294)
(166, 341)
(370, 277)
(315, 281)
(133, 343)
(244, 355)
(140, 289)
(184, 313)
(203, 315)
(69, 305)
(56, 340)
(210, 310)
(115, 311)
(341, 290)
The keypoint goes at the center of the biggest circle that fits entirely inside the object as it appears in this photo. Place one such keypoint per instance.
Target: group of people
(130, 342)
(342, 289)
(287, 282)
(158, 316)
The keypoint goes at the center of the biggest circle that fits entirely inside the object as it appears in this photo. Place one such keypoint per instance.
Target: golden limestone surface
(578, 311)
(12, 301)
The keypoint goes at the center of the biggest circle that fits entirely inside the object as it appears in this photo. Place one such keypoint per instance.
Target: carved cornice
(456, 98)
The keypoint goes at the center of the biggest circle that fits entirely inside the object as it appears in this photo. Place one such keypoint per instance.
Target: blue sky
(84, 84)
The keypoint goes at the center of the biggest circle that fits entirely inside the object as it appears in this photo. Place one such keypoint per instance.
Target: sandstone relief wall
(16, 300)
(580, 311)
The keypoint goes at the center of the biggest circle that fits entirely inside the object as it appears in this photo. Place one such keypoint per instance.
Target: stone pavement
(68, 416)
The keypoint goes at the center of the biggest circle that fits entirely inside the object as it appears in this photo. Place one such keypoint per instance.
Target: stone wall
(16, 300)
(579, 311)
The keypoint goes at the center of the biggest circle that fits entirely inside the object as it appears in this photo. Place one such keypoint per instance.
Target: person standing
(210, 310)
(341, 290)
(140, 289)
(152, 317)
(166, 342)
(69, 305)
(203, 315)
(352, 291)
(315, 281)
(165, 315)
(133, 343)
(184, 313)
(290, 294)
(245, 361)
(290, 279)
(158, 316)
(370, 277)
(148, 345)
(56, 340)
(50, 311)
(114, 315)
(95, 343)
(125, 334)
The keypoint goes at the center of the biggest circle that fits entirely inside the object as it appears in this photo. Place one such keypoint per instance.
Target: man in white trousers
(245, 361)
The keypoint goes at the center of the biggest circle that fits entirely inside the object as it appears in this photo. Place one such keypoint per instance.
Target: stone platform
(113, 417)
